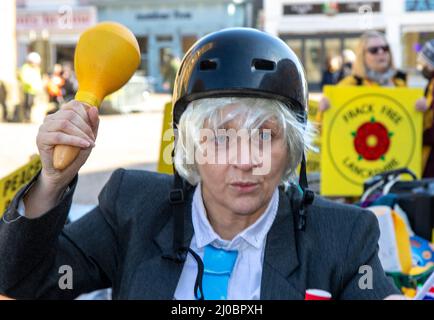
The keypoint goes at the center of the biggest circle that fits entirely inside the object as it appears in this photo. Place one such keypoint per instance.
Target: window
(143, 45)
(187, 42)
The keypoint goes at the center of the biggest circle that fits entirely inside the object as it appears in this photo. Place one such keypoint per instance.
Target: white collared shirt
(245, 280)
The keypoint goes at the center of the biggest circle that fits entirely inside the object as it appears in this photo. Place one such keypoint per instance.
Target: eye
(221, 139)
(265, 135)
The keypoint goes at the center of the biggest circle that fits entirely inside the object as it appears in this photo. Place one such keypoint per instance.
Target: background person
(31, 82)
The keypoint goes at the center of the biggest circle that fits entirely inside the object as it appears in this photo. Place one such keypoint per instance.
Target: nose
(381, 50)
(245, 158)
(244, 166)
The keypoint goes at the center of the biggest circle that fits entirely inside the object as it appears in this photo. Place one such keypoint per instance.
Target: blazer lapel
(157, 276)
(281, 259)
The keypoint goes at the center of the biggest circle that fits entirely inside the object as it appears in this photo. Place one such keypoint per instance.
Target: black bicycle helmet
(240, 62)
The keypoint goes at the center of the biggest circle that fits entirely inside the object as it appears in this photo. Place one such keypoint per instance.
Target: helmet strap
(177, 202)
(301, 204)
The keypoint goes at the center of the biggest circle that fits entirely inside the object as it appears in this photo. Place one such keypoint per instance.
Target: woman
(373, 66)
(229, 228)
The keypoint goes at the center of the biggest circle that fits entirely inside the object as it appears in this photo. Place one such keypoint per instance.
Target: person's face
(428, 72)
(233, 184)
(336, 63)
(377, 55)
(67, 70)
(57, 69)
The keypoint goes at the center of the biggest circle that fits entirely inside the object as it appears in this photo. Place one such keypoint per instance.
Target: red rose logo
(372, 140)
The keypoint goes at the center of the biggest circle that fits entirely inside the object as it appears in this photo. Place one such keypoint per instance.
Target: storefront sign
(368, 131)
(164, 15)
(419, 5)
(62, 19)
(330, 7)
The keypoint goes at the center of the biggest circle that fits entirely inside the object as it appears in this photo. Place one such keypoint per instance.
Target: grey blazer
(121, 244)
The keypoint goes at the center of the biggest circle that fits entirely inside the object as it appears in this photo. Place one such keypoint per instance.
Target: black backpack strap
(359, 80)
(401, 75)
(177, 202)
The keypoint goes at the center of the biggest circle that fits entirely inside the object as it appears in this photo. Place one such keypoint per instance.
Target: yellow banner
(366, 131)
(10, 184)
(167, 142)
(313, 159)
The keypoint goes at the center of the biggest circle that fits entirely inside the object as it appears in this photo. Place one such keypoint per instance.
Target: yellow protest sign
(313, 159)
(366, 131)
(167, 142)
(10, 184)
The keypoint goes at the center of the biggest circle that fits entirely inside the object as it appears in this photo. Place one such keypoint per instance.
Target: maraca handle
(64, 155)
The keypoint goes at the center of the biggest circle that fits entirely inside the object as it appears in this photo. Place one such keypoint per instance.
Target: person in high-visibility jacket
(426, 59)
(31, 82)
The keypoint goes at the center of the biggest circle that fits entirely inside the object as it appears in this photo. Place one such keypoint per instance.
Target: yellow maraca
(106, 57)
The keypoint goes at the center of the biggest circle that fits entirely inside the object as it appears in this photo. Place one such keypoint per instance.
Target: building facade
(163, 28)
(317, 29)
(168, 27)
(52, 28)
(8, 61)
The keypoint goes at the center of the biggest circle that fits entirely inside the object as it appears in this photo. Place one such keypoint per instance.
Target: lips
(244, 187)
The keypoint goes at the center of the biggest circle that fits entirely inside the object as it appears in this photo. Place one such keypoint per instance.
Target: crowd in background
(59, 86)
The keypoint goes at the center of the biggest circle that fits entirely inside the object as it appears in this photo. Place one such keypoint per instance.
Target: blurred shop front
(167, 28)
(417, 27)
(316, 29)
(52, 29)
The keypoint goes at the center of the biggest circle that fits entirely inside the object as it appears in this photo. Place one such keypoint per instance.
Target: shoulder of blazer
(331, 227)
(139, 191)
(341, 216)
